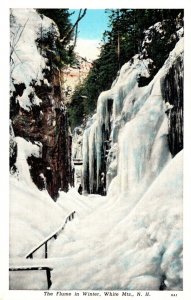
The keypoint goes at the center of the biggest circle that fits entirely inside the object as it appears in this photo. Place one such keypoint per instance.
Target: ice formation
(135, 118)
(132, 238)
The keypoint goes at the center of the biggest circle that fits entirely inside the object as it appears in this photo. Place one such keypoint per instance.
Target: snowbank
(141, 250)
(33, 214)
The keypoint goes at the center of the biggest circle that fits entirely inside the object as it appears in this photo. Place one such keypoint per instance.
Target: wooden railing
(35, 268)
(54, 235)
(41, 265)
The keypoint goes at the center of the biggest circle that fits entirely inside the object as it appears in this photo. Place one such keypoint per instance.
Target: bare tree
(74, 27)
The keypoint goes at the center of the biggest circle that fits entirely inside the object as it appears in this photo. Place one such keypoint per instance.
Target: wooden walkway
(44, 264)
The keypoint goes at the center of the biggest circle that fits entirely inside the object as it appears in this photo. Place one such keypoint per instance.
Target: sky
(90, 31)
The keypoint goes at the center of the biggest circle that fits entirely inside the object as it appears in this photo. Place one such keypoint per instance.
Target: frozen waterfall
(127, 138)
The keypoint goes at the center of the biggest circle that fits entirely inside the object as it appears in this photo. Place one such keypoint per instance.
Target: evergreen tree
(64, 48)
(76, 108)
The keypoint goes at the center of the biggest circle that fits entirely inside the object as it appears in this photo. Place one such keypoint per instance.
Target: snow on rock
(37, 106)
(160, 29)
(28, 225)
(25, 150)
(27, 63)
(12, 147)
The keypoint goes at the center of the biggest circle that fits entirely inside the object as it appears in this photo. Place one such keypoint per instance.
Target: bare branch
(19, 36)
(76, 31)
(17, 55)
(21, 32)
(13, 43)
(80, 16)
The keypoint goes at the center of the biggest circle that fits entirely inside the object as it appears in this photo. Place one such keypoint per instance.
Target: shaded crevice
(172, 88)
(162, 286)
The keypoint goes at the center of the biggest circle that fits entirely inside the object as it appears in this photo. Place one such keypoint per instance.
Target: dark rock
(48, 124)
(172, 88)
(12, 150)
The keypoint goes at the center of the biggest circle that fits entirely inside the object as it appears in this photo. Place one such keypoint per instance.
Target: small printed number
(174, 295)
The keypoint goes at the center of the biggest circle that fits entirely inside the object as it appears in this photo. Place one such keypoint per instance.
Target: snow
(130, 239)
(77, 143)
(137, 112)
(160, 29)
(27, 62)
(28, 226)
(133, 238)
(26, 149)
(180, 32)
(125, 84)
(135, 251)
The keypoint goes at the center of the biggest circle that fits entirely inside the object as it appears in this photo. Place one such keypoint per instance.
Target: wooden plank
(36, 262)
(30, 268)
(37, 268)
(32, 263)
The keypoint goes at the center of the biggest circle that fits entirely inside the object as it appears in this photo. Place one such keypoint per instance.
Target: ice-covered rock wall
(132, 238)
(77, 139)
(77, 143)
(37, 109)
(137, 128)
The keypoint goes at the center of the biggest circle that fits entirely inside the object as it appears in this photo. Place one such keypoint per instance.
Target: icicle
(92, 156)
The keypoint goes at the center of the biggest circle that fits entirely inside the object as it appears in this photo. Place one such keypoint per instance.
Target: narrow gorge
(123, 229)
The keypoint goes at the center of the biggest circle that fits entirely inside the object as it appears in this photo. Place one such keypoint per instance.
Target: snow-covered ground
(110, 248)
(106, 246)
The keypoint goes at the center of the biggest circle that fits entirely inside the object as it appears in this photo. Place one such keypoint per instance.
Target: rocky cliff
(37, 109)
(71, 76)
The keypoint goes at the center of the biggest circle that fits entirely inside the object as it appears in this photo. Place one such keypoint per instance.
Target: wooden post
(46, 250)
(48, 274)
